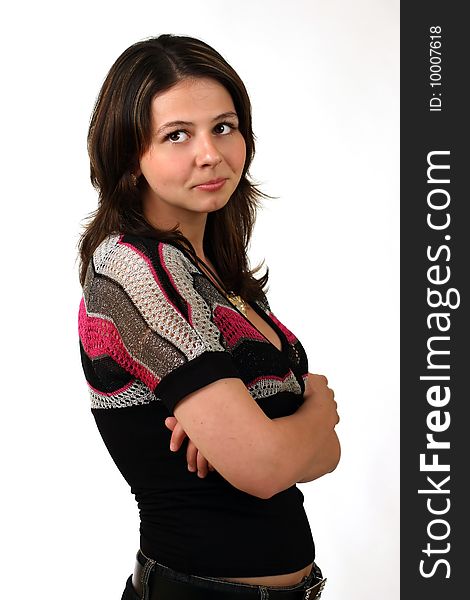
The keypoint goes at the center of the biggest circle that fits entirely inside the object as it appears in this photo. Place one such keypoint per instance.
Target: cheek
(159, 170)
(239, 154)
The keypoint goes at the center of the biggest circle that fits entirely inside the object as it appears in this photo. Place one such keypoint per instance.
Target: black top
(152, 329)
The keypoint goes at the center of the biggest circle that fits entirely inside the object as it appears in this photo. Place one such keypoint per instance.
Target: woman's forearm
(256, 454)
(306, 447)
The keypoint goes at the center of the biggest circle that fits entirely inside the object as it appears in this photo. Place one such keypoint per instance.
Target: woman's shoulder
(119, 242)
(128, 251)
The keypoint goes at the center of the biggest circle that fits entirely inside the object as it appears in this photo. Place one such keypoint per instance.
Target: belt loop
(146, 571)
(317, 589)
(264, 592)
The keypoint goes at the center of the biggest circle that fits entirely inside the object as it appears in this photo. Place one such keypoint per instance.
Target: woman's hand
(196, 461)
(320, 397)
(318, 394)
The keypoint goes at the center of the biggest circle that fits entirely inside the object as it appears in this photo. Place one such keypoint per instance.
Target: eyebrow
(189, 123)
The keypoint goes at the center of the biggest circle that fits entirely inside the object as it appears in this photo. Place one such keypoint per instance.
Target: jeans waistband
(154, 581)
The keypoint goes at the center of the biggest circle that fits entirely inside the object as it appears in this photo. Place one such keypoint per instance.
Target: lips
(214, 185)
(211, 182)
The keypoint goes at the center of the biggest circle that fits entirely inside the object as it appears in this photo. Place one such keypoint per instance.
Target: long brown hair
(120, 132)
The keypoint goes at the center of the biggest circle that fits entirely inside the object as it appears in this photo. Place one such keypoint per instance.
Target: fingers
(177, 437)
(319, 376)
(170, 422)
(202, 468)
(318, 384)
(318, 379)
(191, 456)
(196, 461)
(315, 382)
(335, 404)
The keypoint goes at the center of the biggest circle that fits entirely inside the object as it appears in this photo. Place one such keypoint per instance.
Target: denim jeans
(214, 584)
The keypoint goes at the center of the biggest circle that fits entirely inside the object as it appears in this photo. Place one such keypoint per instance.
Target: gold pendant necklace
(235, 299)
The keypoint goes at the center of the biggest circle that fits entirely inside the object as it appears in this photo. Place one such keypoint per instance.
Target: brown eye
(171, 136)
(229, 125)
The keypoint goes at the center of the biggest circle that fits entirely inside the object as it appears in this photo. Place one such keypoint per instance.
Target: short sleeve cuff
(193, 375)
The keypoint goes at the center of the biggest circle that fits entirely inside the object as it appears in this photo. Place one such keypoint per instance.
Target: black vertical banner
(435, 253)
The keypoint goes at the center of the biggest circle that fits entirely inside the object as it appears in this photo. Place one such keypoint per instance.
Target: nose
(207, 152)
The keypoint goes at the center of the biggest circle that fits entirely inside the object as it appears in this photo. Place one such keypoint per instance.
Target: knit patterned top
(152, 329)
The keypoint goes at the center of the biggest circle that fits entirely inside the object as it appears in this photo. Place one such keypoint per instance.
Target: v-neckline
(254, 305)
(267, 319)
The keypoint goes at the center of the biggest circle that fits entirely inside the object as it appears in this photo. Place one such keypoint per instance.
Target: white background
(323, 77)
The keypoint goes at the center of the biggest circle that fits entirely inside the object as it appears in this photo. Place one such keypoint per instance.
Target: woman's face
(182, 156)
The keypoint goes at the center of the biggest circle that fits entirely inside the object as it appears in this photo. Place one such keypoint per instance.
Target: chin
(213, 204)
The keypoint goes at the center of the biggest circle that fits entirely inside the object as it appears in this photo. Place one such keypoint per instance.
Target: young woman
(201, 394)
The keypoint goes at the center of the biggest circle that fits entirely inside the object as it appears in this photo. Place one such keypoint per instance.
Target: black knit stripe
(199, 372)
(104, 373)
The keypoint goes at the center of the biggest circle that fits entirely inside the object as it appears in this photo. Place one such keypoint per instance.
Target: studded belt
(156, 582)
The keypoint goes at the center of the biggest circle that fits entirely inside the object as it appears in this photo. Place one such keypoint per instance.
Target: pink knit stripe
(270, 378)
(100, 337)
(289, 335)
(234, 327)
